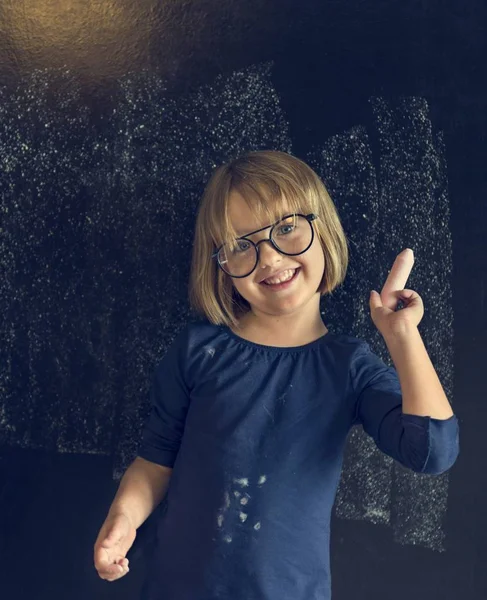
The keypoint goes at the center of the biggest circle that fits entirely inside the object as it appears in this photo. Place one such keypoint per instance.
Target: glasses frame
(311, 217)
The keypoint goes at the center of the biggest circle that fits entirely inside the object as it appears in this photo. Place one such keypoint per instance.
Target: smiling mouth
(284, 283)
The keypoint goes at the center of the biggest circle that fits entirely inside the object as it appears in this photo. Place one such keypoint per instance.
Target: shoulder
(347, 347)
(183, 349)
(357, 350)
(355, 355)
(192, 340)
(195, 335)
(368, 368)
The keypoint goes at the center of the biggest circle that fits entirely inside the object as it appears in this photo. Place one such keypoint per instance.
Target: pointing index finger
(399, 274)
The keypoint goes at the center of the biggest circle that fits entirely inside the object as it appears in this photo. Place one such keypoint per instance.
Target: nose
(268, 255)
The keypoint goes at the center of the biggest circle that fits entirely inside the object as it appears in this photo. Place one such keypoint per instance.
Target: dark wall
(112, 117)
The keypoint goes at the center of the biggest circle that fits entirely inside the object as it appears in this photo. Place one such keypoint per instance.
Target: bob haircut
(262, 178)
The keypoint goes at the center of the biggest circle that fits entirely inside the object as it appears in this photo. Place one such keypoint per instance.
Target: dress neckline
(310, 345)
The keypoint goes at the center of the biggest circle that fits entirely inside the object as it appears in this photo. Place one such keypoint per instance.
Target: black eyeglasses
(291, 235)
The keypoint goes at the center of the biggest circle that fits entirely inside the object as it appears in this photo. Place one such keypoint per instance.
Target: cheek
(315, 265)
(246, 289)
(314, 260)
(240, 286)
(318, 254)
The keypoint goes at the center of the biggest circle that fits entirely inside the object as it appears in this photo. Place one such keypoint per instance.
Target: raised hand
(383, 306)
(114, 541)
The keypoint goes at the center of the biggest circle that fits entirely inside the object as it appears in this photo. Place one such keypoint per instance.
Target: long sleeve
(169, 396)
(421, 443)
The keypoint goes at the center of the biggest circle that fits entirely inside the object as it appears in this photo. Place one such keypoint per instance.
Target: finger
(113, 572)
(113, 537)
(114, 569)
(120, 573)
(399, 274)
(107, 557)
(102, 558)
(407, 294)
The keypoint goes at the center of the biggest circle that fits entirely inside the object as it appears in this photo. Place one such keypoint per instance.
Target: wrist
(405, 333)
(117, 510)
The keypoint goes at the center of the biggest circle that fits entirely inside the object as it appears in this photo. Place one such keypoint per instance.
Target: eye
(286, 229)
(241, 246)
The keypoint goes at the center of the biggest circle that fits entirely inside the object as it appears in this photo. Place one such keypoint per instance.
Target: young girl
(252, 405)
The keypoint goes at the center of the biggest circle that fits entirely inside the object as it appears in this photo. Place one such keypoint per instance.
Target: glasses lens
(292, 235)
(239, 259)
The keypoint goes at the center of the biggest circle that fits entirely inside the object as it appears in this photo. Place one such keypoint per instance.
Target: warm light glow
(73, 33)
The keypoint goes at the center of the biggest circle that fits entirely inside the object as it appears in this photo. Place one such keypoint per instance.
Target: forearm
(141, 489)
(422, 392)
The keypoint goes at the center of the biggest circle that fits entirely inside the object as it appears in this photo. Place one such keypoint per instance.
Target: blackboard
(112, 117)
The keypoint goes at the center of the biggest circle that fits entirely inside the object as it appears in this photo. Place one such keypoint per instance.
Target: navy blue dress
(255, 435)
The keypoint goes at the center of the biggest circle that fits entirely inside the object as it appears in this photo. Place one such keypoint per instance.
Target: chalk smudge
(244, 482)
(409, 208)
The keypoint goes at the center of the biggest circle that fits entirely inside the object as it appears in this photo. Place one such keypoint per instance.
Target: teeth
(284, 276)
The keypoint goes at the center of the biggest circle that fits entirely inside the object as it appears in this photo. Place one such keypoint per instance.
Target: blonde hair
(262, 178)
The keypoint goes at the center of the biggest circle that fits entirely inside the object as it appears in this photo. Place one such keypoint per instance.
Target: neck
(281, 330)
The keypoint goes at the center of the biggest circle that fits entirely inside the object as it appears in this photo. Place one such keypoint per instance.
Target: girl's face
(302, 294)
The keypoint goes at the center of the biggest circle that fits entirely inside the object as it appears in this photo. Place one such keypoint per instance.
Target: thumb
(113, 537)
(374, 298)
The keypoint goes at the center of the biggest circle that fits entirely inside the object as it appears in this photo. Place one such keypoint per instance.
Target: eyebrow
(250, 231)
(242, 234)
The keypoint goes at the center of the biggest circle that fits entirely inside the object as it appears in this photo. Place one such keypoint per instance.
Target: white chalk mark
(227, 538)
(227, 500)
(237, 494)
(244, 500)
(243, 517)
(244, 482)
(257, 526)
(220, 520)
(211, 351)
(262, 480)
